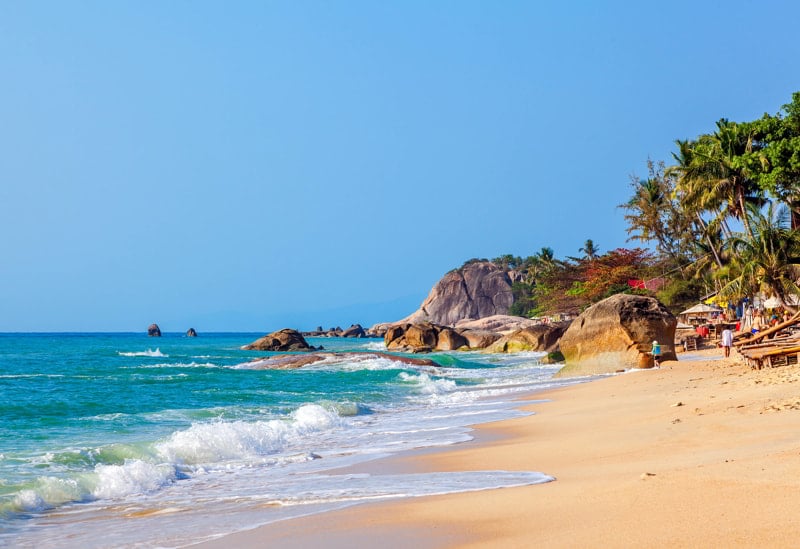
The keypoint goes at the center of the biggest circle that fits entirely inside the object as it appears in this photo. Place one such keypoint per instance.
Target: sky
(249, 166)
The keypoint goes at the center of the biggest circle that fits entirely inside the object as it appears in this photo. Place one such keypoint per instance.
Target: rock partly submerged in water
(617, 333)
(282, 340)
(191, 333)
(153, 330)
(355, 330)
(423, 337)
(292, 362)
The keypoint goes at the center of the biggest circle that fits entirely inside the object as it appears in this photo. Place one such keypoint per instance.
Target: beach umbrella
(775, 302)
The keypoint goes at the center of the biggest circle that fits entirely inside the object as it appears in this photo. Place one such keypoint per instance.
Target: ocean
(120, 440)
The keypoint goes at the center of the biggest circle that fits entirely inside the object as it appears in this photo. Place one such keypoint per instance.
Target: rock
(615, 333)
(476, 290)
(414, 338)
(354, 331)
(153, 330)
(191, 333)
(282, 340)
(421, 336)
(479, 339)
(380, 329)
(426, 336)
(552, 358)
(393, 334)
(542, 337)
(450, 340)
(497, 323)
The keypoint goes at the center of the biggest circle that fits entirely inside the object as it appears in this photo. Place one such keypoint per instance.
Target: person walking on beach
(727, 341)
(656, 351)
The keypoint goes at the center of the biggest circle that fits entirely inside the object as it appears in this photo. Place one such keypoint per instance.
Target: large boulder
(420, 336)
(354, 331)
(479, 339)
(476, 290)
(282, 340)
(542, 337)
(153, 330)
(617, 333)
(450, 340)
(423, 338)
(191, 332)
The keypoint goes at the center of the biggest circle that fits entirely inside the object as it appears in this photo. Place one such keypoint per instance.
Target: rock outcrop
(476, 290)
(426, 337)
(542, 337)
(423, 337)
(479, 339)
(191, 333)
(282, 340)
(450, 340)
(354, 331)
(617, 333)
(153, 330)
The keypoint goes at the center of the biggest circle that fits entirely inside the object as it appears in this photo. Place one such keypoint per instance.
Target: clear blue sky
(255, 165)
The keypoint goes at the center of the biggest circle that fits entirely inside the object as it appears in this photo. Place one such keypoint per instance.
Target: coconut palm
(589, 249)
(767, 260)
(653, 213)
(712, 177)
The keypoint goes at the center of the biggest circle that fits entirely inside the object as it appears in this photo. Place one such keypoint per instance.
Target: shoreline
(700, 452)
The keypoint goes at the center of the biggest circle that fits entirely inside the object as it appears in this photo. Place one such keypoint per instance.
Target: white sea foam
(148, 352)
(207, 444)
(49, 492)
(180, 365)
(374, 346)
(133, 477)
(426, 385)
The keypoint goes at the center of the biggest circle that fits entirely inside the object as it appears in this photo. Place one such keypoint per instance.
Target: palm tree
(653, 214)
(712, 178)
(589, 249)
(768, 260)
(546, 255)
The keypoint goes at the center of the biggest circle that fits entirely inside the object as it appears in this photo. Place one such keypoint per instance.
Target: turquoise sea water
(113, 440)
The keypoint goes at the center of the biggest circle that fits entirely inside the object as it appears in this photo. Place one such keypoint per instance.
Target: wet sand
(700, 453)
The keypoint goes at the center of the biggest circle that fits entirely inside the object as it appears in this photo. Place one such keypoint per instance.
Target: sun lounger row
(782, 354)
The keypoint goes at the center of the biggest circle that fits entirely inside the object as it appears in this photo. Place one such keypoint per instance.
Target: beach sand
(699, 453)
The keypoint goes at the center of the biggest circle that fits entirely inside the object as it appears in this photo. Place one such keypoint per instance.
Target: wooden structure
(783, 349)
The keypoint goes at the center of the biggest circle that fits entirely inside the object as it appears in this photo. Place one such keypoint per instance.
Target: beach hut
(699, 314)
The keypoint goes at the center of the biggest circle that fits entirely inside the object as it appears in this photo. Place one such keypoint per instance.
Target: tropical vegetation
(721, 219)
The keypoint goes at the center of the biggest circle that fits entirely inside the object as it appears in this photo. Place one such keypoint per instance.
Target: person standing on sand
(727, 341)
(656, 351)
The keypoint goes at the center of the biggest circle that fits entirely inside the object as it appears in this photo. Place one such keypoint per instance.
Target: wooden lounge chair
(772, 357)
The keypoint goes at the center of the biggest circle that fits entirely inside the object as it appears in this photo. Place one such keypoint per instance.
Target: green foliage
(550, 285)
(738, 174)
(680, 294)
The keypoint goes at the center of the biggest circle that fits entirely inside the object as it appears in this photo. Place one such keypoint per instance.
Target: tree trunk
(708, 239)
(745, 219)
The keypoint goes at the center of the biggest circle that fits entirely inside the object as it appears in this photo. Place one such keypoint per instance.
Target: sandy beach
(703, 452)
